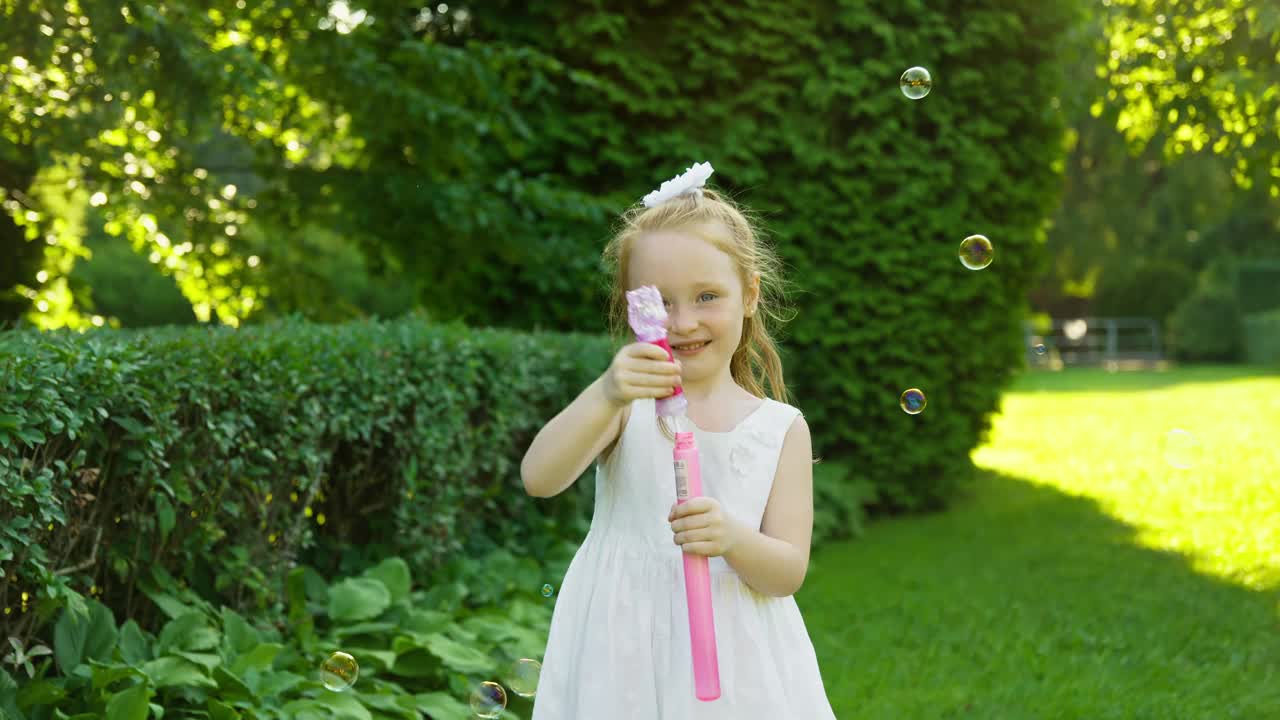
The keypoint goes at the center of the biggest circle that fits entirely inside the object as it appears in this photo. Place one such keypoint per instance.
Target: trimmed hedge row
(1262, 338)
(225, 456)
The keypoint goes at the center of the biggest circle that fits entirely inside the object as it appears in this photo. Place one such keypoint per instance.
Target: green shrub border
(225, 456)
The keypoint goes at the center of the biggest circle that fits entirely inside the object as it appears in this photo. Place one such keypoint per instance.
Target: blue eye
(668, 302)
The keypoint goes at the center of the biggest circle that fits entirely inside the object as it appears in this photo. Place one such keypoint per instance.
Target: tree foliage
(188, 121)
(1196, 76)
(1136, 201)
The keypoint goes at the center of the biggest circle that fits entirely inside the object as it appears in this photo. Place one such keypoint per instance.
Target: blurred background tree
(202, 135)
(192, 128)
(1173, 163)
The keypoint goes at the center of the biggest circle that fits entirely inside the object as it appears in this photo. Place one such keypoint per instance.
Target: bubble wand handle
(648, 318)
(697, 579)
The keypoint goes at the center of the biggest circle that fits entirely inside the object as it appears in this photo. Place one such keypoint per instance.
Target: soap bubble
(523, 677)
(488, 700)
(915, 83)
(976, 252)
(547, 590)
(339, 671)
(913, 401)
(1181, 449)
(1075, 329)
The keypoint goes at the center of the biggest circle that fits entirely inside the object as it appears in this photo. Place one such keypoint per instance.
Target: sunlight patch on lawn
(1222, 513)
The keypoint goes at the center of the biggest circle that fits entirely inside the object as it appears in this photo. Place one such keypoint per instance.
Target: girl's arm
(564, 447)
(775, 559)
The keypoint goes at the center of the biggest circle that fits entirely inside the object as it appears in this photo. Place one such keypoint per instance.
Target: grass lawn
(1083, 576)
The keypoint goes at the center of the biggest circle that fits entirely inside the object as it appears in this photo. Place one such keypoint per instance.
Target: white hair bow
(690, 181)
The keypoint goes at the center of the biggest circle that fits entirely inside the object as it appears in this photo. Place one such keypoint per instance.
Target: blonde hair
(730, 228)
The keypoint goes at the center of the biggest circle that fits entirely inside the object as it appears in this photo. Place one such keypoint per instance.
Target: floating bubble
(913, 401)
(488, 700)
(547, 590)
(976, 252)
(1040, 349)
(1181, 449)
(339, 671)
(915, 83)
(1075, 329)
(523, 677)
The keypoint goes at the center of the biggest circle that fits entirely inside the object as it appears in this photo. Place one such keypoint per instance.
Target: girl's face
(704, 299)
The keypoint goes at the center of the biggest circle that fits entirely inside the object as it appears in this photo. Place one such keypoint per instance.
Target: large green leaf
(259, 658)
(386, 659)
(191, 631)
(170, 605)
(39, 693)
(105, 674)
(364, 628)
(240, 635)
(132, 704)
(394, 574)
(172, 671)
(275, 684)
(222, 711)
(442, 706)
(357, 599)
(232, 687)
(306, 710)
(460, 657)
(295, 591)
(206, 660)
(78, 638)
(428, 621)
(134, 648)
(8, 694)
(344, 705)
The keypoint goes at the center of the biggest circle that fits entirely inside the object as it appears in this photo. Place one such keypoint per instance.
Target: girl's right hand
(640, 370)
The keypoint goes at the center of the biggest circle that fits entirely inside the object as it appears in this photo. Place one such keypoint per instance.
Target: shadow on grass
(1024, 602)
(1097, 380)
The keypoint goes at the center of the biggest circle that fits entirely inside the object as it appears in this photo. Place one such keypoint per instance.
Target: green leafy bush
(222, 456)
(420, 651)
(1207, 327)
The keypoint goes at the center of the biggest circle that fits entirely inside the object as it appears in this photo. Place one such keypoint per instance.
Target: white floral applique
(748, 447)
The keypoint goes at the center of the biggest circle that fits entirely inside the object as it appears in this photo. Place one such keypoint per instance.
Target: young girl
(619, 646)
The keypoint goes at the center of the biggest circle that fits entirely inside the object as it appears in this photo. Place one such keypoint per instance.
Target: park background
(288, 288)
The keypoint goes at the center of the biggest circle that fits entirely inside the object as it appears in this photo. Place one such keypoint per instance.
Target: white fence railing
(1094, 341)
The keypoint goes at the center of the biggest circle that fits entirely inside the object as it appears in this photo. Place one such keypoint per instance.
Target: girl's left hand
(701, 527)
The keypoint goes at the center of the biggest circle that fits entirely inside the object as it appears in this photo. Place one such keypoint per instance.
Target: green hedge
(226, 456)
(867, 194)
(1262, 338)
(1206, 327)
(1258, 283)
(222, 456)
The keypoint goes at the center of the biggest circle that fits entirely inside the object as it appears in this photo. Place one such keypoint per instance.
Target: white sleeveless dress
(618, 647)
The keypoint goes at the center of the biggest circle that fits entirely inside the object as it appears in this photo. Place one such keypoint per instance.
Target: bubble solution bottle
(647, 315)
(697, 578)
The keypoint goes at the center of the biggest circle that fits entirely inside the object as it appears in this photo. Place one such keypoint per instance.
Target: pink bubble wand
(648, 318)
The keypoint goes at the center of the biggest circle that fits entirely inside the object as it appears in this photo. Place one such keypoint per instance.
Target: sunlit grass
(1078, 435)
(1083, 576)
